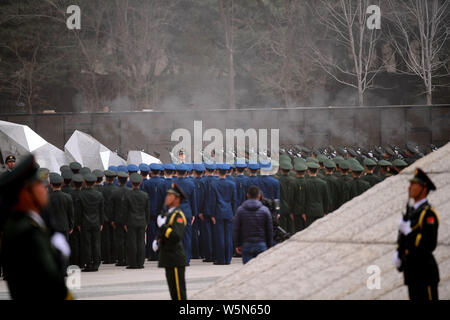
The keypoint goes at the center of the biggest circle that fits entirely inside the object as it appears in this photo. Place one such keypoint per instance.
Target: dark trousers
(206, 238)
(90, 246)
(187, 240)
(152, 232)
(136, 246)
(108, 252)
(176, 282)
(423, 292)
(75, 247)
(251, 250)
(195, 239)
(223, 240)
(299, 223)
(119, 237)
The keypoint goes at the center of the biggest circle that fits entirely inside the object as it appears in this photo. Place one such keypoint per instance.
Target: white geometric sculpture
(138, 157)
(20, 140)
(86, 150)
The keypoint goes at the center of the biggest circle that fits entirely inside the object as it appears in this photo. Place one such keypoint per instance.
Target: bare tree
(420, 34)
(346, 23)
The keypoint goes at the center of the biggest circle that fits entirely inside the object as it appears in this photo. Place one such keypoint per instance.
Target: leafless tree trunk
(226, 8)
(346, 21)
(420, 33)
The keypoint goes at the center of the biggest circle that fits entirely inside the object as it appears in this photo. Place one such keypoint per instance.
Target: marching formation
(111, 216)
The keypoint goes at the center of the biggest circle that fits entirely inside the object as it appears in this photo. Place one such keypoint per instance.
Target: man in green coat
(344, 181)
(370, 176)
(357, 185)
(333, 185)
(137, 218)
(172, 256)
(30, 260)
(316, 195)
(299, 196)
(287, 190)
(108, 252)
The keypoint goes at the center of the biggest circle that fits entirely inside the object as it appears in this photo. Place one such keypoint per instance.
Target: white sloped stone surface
(329, 260)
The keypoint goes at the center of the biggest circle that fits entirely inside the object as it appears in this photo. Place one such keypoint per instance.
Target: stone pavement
(119, 283)
(330, 259)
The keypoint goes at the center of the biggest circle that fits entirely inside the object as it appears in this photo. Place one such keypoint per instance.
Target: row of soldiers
(111, 215)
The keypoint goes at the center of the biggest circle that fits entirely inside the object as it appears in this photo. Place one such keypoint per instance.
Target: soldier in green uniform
(344, 181)
(31, 265)
(397, 166)
(137, 218)
(418, 235)
(99, 174)
(108, 252)
(67, 176)
(172, 256)
(334, 187)
(75, 167)
(316, 195)
(357, 186)
(92, 208)
(384, 169)
(287, 190)
(59, 215)
(299, 195)
(370, 176)
(118, 199)
(75, 236)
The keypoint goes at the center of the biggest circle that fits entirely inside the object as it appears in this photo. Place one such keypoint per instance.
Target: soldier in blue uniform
(207, 226)
(198, 170)
(270, 187)
(155, 189)
(188, 206)
(241, 182)
(144, 169)
(223, 199)
(253, 178)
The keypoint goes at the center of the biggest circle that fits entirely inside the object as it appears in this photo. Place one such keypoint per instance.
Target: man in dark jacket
(252, 226)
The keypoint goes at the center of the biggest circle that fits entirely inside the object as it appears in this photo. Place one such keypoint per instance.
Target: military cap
(338, 158)
(10, 158)
(338, 161)
(399, 163)
(199, 167)
(122, 168)
(109, 173)
(122, 174)
(12, 182)
(189, 167)
(254, 166)
(241, 165)
(344, 164)
(312, 165)
(169, 166)
(98, 173)
(181, 167)
(132, 168)
(210, 166)
(412, 147)
(226, 166)
(84, 171)
(384, 163)
(77, 178)
(299, 160)
(75, 166)
(284, 156)
(144, 168)
(176, 190)
(266, 165)
(352, 152)
(356, 167)
(389, 151)
(352, 160)
(90, 177)
(55, 178)
(421, 177)
(156, 167)
(369, 162)
(112, 168)
(64, 168)
(300, 166)
(329, 164)
(286, 165)
(341, 151)
(67, 174)
(311, 159)
(135, 178)
(321, 158)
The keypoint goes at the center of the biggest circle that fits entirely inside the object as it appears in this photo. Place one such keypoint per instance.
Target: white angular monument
(138, 157)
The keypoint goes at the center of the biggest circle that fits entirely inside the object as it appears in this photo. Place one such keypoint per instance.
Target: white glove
(397, 261)
(59, 241)
(404, 227)
(161, 221)
(155, 245)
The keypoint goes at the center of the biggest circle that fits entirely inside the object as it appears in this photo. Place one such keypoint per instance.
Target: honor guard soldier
(92, 220)
(10, 162)
(370, 176)
(241, 181)
(30, 258)
(137, 218)
(75, 236)
(299, 195)
(418, 235)
(108, 252)
(223, 200)
(59, 214)
(316, 195)
(118, 199)
(384, 169)
(207, 224)
(198, 170)
(398, 165)
(172, 255)
(333, 185)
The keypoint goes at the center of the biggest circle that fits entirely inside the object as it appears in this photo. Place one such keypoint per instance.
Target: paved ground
(119, 283)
